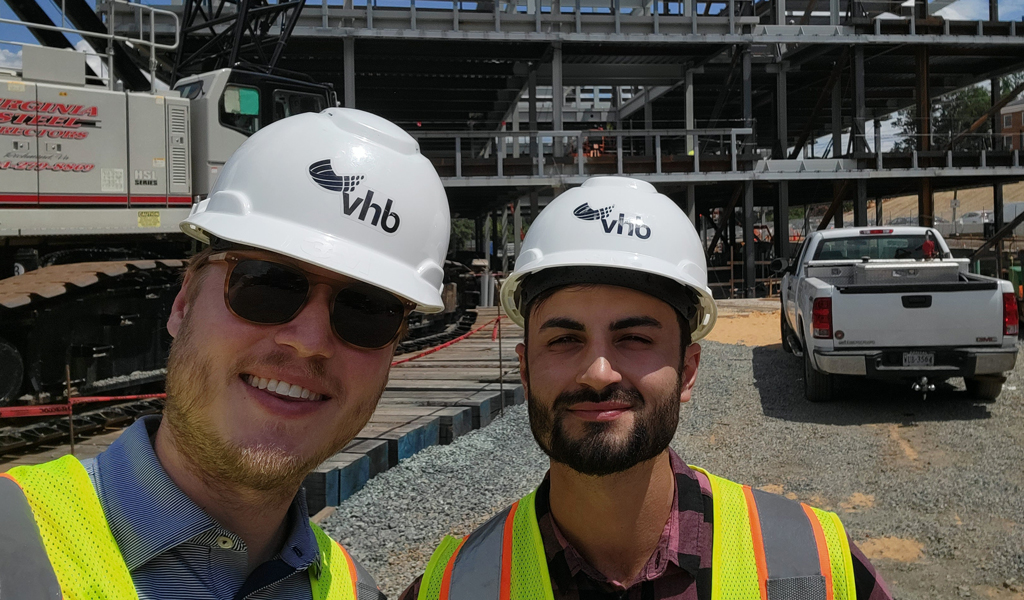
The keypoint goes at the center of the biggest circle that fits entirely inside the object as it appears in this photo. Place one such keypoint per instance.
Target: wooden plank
(353, 473)
(321, 488)
(480, 404)
(375, 450)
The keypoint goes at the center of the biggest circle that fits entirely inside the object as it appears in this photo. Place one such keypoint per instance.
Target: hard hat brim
(611, 258)
(317, 248)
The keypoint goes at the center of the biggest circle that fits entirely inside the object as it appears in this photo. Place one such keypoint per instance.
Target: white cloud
(10, 60)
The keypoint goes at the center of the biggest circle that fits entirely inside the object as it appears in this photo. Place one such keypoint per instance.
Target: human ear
(690, 363)
(180, 306)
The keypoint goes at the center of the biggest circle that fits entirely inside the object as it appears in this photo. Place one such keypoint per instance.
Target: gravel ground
(930, 489)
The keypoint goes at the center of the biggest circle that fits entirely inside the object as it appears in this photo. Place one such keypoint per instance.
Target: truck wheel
(818, 386)
(984, 388)
(785, 331)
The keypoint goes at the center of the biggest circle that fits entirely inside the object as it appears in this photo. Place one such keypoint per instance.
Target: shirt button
(225, 542)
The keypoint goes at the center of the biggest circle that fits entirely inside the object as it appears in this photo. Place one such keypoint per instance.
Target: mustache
(567, 400)
(315, 369)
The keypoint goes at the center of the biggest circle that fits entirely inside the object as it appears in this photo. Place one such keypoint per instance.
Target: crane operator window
(240, 109)
(288, 103)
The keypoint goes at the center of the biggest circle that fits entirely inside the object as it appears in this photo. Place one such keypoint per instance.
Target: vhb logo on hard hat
(633, 225)
(324, 176)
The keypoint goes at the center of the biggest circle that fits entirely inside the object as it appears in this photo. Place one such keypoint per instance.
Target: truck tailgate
(968, 316)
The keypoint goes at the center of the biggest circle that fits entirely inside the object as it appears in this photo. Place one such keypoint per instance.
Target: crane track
(28, 434)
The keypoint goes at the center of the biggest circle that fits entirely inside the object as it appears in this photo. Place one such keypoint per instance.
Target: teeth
(282, 388)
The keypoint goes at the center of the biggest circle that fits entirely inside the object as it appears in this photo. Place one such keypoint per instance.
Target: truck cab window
(288, 103)
(240, 109)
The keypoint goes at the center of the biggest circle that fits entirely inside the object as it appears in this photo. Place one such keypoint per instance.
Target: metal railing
(582, 152)
(111, 10)
(541, 12)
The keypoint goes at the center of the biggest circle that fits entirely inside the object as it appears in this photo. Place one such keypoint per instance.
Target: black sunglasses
(270, 293)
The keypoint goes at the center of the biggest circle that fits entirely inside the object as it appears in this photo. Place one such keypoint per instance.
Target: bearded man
(325, 231)
(611, 290)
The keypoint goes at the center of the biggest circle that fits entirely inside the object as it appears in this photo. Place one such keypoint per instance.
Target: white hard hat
(344, 190)
(620, 231)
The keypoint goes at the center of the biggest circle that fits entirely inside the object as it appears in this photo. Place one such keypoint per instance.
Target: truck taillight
(1011, 323)
(821, 318)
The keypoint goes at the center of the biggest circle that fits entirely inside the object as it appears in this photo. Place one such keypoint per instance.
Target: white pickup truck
(891, 303)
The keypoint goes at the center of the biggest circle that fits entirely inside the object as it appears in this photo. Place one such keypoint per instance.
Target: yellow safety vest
(81, 551)
(765, 547)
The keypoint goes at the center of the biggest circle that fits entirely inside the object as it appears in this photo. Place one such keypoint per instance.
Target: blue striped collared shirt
(173, 549)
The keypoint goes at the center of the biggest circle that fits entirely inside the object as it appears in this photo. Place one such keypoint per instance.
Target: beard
(599, 451)
(260, 466)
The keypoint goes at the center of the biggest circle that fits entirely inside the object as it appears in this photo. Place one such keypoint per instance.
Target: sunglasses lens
(367, 316)
(266, 292)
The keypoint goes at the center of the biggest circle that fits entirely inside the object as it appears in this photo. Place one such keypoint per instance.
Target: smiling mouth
(282, 389)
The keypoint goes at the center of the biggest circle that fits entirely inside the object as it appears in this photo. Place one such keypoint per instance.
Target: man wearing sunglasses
(611, 291)
(325, 231)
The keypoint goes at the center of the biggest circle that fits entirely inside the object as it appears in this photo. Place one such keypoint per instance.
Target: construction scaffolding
(735, 109)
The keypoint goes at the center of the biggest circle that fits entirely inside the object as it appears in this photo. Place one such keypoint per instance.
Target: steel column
(349, 49)
(648, 119)
(749, 249)
(925, 197)
(748, 104)
(879, 217)
(688, 92)
(531, 83)
(557, 94)
(691, 202)
(997, 208)
(782, 109)
(781, 233)
(858, 131)
(860, 204)
(534, 205)
(997, 122)
(837, 119)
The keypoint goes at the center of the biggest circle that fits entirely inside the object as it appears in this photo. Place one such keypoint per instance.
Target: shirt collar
(148, 514)
(682, 537)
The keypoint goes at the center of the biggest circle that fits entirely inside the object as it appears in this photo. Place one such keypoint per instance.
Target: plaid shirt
(678, 569)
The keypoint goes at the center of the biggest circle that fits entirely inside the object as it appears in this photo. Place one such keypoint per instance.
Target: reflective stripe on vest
(63, 544)
(765, 547)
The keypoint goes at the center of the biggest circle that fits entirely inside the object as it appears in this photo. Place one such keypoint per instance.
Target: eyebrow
(630, 322)
(563, 323)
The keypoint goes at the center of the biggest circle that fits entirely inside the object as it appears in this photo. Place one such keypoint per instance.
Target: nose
(309, 334)
(599, 374)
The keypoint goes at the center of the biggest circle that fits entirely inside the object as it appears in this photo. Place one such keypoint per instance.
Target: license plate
(918, 359)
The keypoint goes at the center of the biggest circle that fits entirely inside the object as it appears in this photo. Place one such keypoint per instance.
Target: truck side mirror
(779, 265)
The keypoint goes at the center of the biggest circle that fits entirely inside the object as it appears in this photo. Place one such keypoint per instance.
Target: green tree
(952, 113)
(462, 235)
